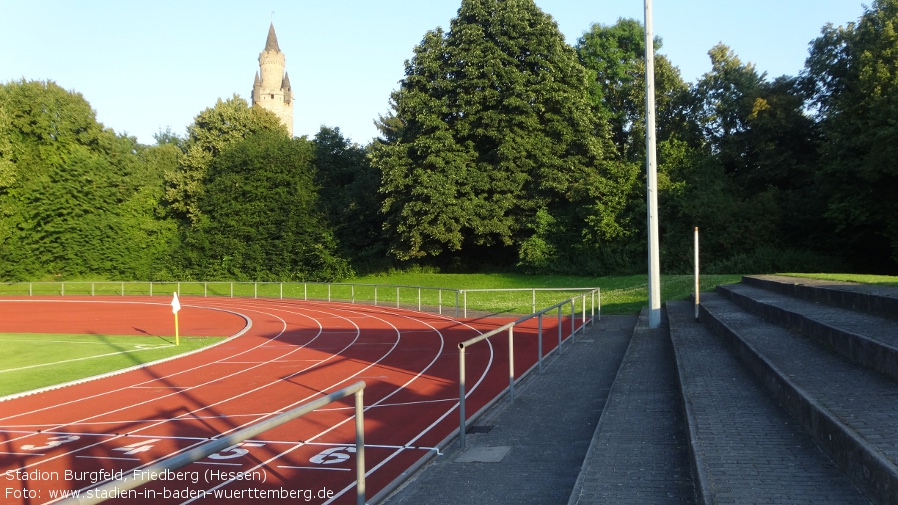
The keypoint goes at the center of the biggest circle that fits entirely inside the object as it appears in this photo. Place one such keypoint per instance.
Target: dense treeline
(505, 148)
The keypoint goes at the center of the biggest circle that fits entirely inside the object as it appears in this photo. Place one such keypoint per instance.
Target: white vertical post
(461, 395)
(559, 329)
(511, 362)
(583, 326)
(360, 447)
(652, 174)
(539, 342)
(697, 301)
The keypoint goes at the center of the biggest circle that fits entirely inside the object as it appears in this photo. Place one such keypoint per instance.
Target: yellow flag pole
(177, 337)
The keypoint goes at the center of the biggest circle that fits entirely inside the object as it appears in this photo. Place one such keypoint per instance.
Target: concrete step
(850, 411)
(745, 448)
(867, 298)
(869, 340)
(639, 451)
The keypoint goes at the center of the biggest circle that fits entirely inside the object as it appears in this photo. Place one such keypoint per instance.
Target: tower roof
(271, 44)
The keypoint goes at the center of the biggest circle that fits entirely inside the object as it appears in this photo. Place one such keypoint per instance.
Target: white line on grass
(82, 359)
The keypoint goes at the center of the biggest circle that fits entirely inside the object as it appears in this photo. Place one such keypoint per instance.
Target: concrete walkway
(640, 452)
(531, 451)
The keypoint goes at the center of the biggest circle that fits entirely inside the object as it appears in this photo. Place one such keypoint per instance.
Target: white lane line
(401, 404)
(380, 402)
(279, 380)
(108, 457)
(288, 467)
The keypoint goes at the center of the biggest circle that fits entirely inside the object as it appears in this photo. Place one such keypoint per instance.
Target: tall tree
(852, 75)
(259, 215)
(66, 197)
(491, 127)
(212, 130)
(615, 55)
(349, 196)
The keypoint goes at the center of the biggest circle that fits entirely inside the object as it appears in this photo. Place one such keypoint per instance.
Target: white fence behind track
(458, 302)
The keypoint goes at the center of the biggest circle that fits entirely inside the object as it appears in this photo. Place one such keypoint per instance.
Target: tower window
(272, 96)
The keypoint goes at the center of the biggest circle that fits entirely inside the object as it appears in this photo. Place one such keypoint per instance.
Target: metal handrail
(510, 328)
(141, 476)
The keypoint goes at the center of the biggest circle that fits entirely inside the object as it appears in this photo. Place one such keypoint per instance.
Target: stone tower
(272, 86)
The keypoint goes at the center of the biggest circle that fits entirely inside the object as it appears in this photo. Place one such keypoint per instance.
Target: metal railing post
(511, 362)
(592, 308)
(559, 329)
(461, 395)
(583, 326)
(360, 447)
(539, 341)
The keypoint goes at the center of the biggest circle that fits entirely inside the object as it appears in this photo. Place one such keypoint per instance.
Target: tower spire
(271, 44)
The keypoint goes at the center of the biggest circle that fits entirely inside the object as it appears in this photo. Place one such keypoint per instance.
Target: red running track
(285, 353)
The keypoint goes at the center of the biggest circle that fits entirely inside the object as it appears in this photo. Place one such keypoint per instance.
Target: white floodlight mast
(651, 173)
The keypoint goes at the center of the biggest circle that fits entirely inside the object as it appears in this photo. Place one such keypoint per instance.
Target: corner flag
(175, 307)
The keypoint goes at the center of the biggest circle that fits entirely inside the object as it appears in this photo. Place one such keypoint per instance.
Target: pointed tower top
(272, 43)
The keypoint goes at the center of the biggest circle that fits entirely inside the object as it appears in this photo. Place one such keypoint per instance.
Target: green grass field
(30, 360)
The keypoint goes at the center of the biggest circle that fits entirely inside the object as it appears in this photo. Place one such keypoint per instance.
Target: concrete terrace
(785, 391)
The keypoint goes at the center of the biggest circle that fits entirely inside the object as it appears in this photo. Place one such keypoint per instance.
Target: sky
(146, 67)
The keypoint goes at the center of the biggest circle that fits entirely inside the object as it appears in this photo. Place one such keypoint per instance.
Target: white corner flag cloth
(175, 304)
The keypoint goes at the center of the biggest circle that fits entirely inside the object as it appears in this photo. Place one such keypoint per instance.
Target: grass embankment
(884, 280)
(30, 361)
